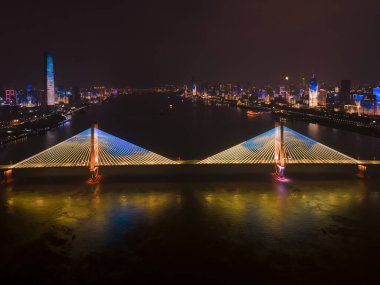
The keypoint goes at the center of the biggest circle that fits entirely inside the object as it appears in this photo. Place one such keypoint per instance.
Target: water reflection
(77, 220)
(258, 222)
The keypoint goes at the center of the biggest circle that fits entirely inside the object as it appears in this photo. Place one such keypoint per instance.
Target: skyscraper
(193, 87)
(345, 96)
(75, 96)
(313, 92)
(49, 96)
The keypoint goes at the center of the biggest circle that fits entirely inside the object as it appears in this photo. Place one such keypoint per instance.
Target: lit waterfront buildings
(318, 97)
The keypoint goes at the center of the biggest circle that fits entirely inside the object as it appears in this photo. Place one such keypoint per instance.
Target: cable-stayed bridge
(108, 151)
(95, 148)
(265, 148)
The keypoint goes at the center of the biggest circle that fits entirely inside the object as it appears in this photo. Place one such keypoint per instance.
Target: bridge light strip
(75, 152)
(298, 148)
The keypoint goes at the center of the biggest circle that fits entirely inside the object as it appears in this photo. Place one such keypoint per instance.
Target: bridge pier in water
(8, 177)
(362, 169)
(94, 154)
(279, 150)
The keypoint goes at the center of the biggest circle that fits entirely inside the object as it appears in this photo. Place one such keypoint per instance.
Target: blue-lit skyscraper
(376, 93)
(313, 93)
(193, 87)
(49, 80)
(358, 98)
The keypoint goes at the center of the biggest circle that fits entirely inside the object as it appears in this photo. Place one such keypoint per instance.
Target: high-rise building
(313, 92)
(344, 92)
(75, 96)
(193, 87)
(345, 86)
(49, 96)
(10, 95)
(358, 98)
(376, 93)
(322, 98)
(282, 92)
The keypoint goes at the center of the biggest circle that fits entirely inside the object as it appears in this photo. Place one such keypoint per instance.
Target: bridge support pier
(94, 173)
(362, 169)
(280, 151)
(94, 154)
(280, 171)
(8, 176)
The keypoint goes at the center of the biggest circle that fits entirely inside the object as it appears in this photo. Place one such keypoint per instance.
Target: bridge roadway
(361, 162)
(369, 162)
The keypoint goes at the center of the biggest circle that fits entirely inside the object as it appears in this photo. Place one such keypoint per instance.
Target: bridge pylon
(94, 153)
(279, 149)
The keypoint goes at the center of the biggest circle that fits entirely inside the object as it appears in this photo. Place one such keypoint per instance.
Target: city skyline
(186, 142)
(148, 43)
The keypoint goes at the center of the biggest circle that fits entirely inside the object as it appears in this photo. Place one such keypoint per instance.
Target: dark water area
(316, 228)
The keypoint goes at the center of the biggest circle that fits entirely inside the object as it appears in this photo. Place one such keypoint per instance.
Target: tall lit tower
(194, 87)
(313, 92)
(49, 80)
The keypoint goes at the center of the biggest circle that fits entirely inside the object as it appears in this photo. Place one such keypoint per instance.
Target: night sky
(144, 43)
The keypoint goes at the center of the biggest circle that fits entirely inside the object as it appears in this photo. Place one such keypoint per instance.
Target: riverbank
(34, 127)
(368, 125)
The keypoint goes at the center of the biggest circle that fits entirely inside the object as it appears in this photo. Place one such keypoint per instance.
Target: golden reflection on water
(102, 213)
(84, 218)
(284, 207)
(69, 207)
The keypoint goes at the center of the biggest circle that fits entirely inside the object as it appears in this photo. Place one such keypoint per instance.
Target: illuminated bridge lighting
(75, 151)
(298, 149)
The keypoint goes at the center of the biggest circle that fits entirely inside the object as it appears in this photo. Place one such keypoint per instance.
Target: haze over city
(147, 43)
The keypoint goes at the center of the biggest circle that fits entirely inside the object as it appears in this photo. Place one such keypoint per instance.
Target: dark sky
(166, 41)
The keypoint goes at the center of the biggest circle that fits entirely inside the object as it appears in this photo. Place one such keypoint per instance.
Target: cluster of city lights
(261, 150)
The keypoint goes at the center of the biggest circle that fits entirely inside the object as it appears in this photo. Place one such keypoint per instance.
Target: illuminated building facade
(313, 93)
(10, 95)
(193, 87)
(376, 93)
(267, 98)
(49, 80)
(322, 98)
(371, 106)
(358, 98)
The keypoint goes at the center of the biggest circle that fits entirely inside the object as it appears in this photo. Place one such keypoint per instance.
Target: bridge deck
(6, 166)
(196, 162)
(369, 162)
